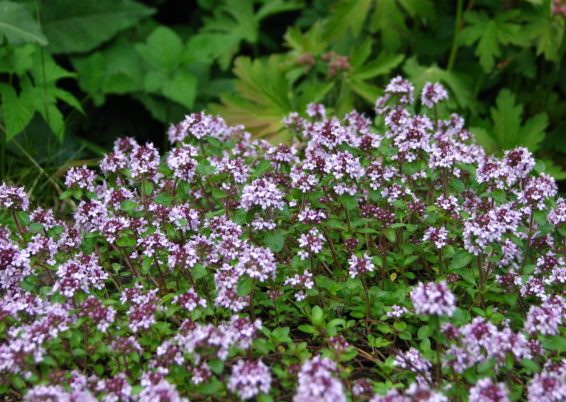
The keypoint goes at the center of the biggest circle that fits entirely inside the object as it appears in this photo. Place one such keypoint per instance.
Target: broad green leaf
(367, 91)
(311, 41)
(54, 119)
(163, 48)
(388, 19)
(46, 72)
(16, 59)
(506, 118)
(460, 260)
(317, 315)
(68, 98)
(418, 7)
(508, 131)
(276, 7)
(80, 26)
(533, 132)
(118, 69)
(261, 85)
(17, 110)
(274, 240)
(182, 88)
(489, 34)
(166, 112)
(549, 34)
(234, 22)
(380, 66)
(484, 139)
(245, 286)
(348, 16)
(211, 46)
(18, 26)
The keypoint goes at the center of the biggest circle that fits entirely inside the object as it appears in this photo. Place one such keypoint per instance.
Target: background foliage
(75, 75)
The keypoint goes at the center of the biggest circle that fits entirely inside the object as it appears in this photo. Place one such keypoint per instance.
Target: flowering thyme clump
(374, 258)
(433, 298)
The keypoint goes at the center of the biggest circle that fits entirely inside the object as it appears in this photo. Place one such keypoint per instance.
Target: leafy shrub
(64, 64)
(392, 262)
(494, 56)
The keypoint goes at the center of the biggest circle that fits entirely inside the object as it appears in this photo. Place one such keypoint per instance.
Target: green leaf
(389, 20)
(182, 88)
(348, 16)
(261, 85)
(484, 139)
(16, 59)
(277, 7)
(80, 26)
(274, 240)
(17, 110)
(489, 34)
(460, 260)
(507, 129)
(245, 286)
(556, 343)
(118, 69)
(234, 22)
(549, 34)
(317, 315)
(18, 26)
(380, 66)
(163, 48)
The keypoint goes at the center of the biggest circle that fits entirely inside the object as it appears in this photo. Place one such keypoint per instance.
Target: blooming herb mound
(386, 260)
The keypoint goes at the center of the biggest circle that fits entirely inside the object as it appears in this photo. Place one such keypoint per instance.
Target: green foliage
(81, 26)
(17, 25)
(350, 50)
(65, 63)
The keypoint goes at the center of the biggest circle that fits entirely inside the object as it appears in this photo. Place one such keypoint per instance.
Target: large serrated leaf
(508, 131)
(163, 48)
(79, 26)
(17, 110)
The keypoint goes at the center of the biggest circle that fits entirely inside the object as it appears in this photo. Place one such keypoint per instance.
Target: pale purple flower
(360, 265)
(433, 299)
(302, 282)
(486, 390)
(547, 387)
(249, 379)
(432, 94)
(397, 311)
(163, 391)
(317, 382)
(80, 177)
(310, 243)
(262, 193)
(438, 236)
(14, 264)
(414, 361)
(423, 393)
(183, 163)
(12, 197)
(557, 215)
(189, 300)
(316, 110)
(546, 319)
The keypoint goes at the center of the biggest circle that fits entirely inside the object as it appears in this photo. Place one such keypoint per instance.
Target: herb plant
(386, 261)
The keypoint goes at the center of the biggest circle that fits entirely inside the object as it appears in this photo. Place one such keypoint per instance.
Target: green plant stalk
(435, 321)
(457, 27)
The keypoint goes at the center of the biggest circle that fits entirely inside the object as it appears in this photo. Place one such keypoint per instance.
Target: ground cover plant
(386, 260)
(75, 76)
